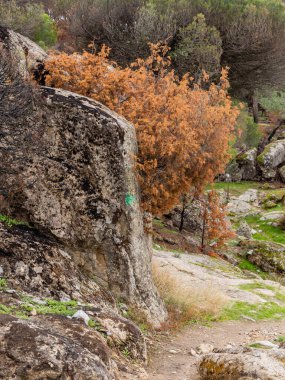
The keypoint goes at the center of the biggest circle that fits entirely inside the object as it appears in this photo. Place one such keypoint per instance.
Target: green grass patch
(256, 285)
(236, 188)
(3, 283)
(263, 311)
(259, 346)
(244, 264)
(67, 308)
(269, 232)
(280, 339)
(158, 223)
(12, 222)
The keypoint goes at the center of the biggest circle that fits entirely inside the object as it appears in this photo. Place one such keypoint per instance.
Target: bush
(247, 132)
(199, 49)
(46, 34)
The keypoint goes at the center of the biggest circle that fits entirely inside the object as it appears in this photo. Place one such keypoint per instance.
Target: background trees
(30, 20)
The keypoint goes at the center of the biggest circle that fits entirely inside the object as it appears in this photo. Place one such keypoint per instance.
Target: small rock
(1, 271)
(21, 269)
(38, 269)
(80, 314)
(192, 352)
(33, 313)
(248, 318)
(205, 348)
(244, 230)
(173, 352)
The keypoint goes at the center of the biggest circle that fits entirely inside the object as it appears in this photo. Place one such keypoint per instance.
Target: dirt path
(170, 357)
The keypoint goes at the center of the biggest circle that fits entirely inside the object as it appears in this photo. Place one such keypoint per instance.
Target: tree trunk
(255, 109)
(204, 230)
(182, 213)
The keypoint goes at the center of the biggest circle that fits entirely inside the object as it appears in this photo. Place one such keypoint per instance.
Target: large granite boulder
(67, 167)
(72, 174)
(271, 158)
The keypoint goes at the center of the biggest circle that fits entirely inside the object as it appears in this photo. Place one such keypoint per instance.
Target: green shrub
(46, 34)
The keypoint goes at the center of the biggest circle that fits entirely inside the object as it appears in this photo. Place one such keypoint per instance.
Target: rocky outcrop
(69, 172)
(243, 364)
(44, 286)
(268, 256)
(267, 166)
(24, 52)
(75, 180)
(247, 164)
(271, 158)
(31, 351)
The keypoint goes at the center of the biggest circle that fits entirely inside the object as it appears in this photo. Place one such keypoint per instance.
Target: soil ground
(165, 365)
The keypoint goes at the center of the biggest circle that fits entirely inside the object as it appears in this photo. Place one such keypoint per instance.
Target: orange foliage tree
(216, 228)
(182, 129)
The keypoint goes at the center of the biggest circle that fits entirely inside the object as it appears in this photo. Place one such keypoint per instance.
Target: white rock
(21, 269)
(80, 314)
(205, 348)
(1, 271)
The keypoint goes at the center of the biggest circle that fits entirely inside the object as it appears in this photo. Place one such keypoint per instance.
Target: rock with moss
(269, 204)
(244, 230)
(243, 364)
(271, 158)
(268, 256)
(247, 164)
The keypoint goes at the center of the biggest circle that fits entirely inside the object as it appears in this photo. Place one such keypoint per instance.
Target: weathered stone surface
(243, 364)
(269, 256)
(60, 279)
(247, 164)
(272, 156)
(61, 349)
(69, 171)
(23, 251)
(244, 230)
(24, 51)
(192, 216)
(79, 184)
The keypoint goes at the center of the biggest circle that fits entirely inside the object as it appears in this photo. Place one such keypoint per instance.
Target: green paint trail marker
(130, 199)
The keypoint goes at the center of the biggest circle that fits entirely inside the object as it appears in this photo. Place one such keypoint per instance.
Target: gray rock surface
(69, 172)
(272, 157)
(282, 173)
(78, 183)
(62, 349)
(243, 364)
(247, 165)
(244, 230)
(24, 51)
